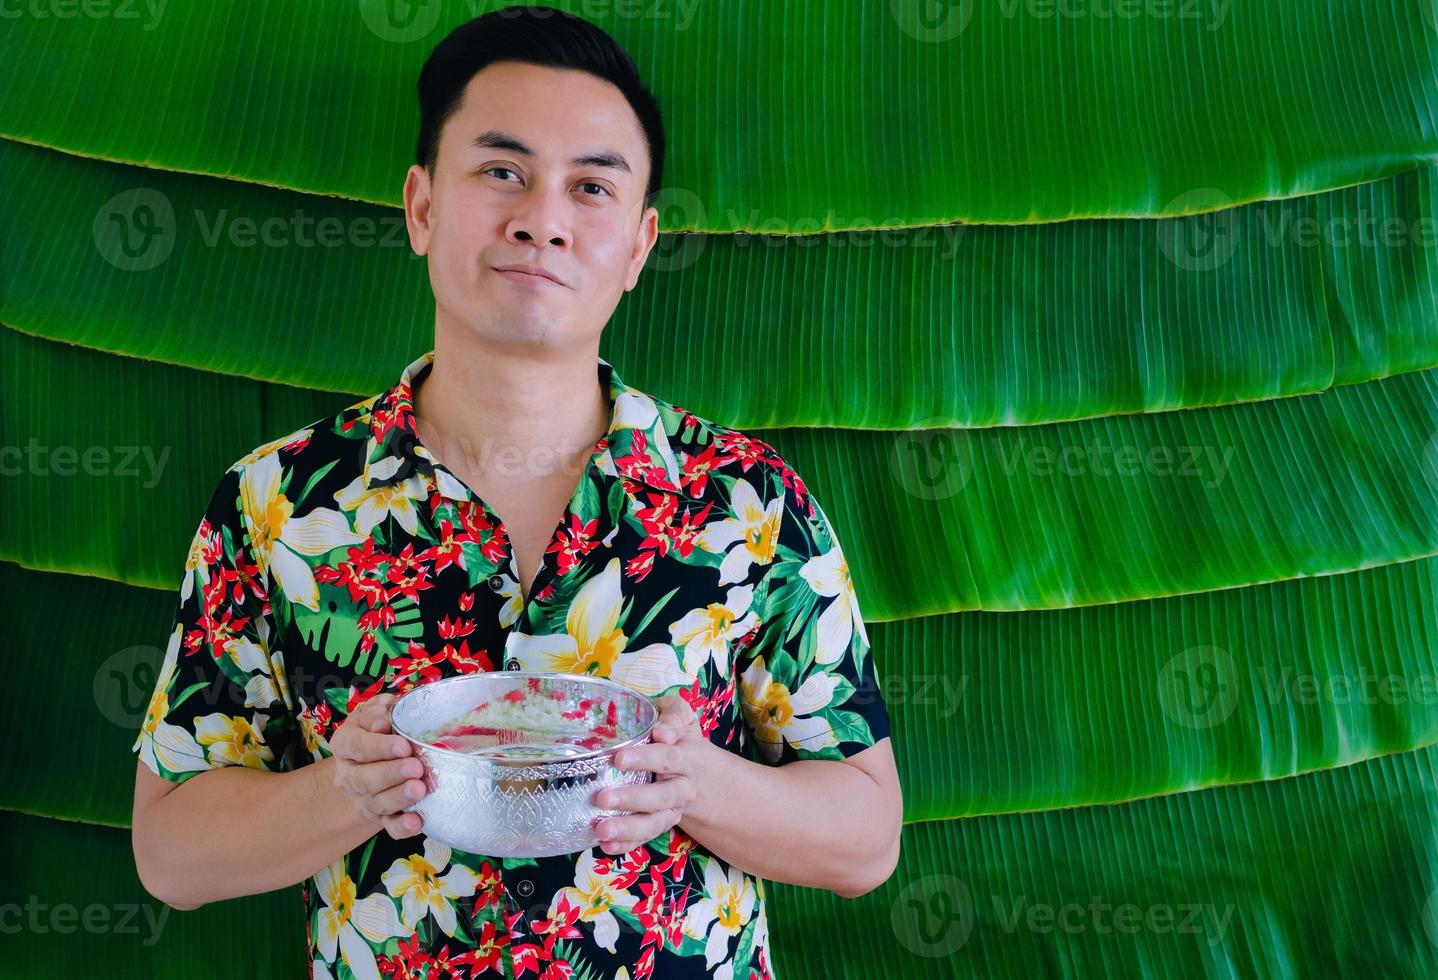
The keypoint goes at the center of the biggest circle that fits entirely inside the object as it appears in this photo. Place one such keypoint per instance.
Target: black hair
(533, 35)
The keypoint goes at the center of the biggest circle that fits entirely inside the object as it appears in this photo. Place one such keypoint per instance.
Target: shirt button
(512, 663)
(525, 887)
(496, 582)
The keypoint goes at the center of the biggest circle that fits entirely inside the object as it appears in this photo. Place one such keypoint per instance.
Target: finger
(675, 715)
(647, 798)
(373, 715)
(372, 778)
(620, 831)
(622, 848)
(367, 746)
(655, 757)
(392, 801)
(404, 825)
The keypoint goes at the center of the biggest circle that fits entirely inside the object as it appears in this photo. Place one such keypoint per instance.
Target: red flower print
(574, 542)
(694, 471)
(409, 962)
(453, 630)
(447, 551)
(409, 575)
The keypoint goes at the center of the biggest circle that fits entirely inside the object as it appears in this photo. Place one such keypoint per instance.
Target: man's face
(490, 206)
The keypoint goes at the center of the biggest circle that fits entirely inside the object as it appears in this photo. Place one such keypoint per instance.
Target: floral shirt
(345, 560)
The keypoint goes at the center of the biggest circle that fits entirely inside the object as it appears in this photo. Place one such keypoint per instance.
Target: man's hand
(377, 769)
(676, 756)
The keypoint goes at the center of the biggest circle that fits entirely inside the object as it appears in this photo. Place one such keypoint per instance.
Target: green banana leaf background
(1107, 332)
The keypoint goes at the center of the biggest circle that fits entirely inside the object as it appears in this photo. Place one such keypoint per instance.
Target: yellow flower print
(778, 715)
(417, 882)
(749, 537)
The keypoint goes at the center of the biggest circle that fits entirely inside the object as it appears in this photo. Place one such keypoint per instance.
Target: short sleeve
(808, 687)
(220, 698)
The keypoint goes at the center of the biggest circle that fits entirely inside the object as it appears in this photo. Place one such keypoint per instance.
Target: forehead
(559, 113)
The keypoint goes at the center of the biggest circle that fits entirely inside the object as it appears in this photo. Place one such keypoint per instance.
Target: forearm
(239, 831)
(814, 823)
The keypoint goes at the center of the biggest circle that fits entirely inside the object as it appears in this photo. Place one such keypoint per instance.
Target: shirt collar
(637, 442)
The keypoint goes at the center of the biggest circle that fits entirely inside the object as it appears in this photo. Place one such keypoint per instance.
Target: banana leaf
(75, 907)
(1235, 881)
(783, 117)
(1330, 874)
(986, 325)
(991, 712)
(931, 521)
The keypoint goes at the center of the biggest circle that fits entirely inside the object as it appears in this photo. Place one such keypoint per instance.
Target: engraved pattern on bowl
(519, 806)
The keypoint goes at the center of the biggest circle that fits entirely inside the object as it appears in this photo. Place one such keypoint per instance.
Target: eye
(490, 170)
(590, 183)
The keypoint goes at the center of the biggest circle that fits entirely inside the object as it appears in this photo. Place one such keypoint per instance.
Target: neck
(511, 415)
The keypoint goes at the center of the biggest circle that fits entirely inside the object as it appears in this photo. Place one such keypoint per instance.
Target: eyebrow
(495, 139)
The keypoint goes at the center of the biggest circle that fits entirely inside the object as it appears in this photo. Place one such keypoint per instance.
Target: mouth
(527, 275)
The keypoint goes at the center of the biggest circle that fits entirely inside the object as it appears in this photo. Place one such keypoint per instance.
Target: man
(398, 542)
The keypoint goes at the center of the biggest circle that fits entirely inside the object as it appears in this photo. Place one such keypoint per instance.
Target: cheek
(455, 251)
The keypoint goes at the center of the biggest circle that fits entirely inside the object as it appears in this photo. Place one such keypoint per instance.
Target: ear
(416, 208)
(644, 239)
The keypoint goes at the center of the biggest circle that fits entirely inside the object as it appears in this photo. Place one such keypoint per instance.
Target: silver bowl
(518, 798)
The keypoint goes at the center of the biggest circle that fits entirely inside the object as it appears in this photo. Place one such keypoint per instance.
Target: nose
(539, 218)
